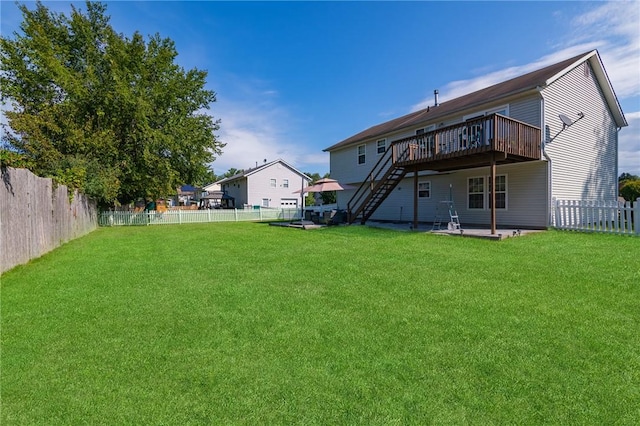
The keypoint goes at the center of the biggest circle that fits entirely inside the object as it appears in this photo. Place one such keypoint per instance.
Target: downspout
(617, 187)
(549, 162)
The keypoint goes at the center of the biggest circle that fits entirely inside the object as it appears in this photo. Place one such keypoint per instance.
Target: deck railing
(494, 132)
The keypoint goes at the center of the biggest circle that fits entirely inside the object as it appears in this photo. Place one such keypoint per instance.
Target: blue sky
(293, 78)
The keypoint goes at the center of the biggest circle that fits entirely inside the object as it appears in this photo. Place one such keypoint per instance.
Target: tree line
(110, 115)
(629, 186)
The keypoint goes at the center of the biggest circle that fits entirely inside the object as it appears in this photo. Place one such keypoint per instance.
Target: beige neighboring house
(212, 187)
(270, 185)
(551, 133)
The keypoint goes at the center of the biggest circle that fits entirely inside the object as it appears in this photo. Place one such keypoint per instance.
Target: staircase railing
(384, 176)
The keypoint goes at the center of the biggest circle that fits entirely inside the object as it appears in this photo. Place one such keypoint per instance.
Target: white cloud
(613, 29)
(256, 128)
(462, 87)
(629, 145)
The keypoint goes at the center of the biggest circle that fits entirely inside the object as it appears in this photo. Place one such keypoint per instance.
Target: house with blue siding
(551, 133)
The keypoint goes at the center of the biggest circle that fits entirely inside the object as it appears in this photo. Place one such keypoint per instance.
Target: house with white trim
(551, 133)
(271, 184)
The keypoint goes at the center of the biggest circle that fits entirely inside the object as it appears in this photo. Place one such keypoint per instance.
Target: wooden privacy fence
(612, 217)
(174, 217)
(36, 216)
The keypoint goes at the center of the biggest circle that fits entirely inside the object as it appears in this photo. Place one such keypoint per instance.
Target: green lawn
(243, 323)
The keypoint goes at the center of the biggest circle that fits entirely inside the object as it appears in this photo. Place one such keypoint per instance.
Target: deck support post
(492, 194)
(415, 199)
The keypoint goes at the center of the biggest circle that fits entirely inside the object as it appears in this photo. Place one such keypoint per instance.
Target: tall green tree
(111, 115)
(231, 172)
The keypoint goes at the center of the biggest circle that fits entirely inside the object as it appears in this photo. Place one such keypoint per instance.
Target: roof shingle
(510, 87)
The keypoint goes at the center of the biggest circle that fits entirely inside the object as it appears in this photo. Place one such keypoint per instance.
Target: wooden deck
(473, 143)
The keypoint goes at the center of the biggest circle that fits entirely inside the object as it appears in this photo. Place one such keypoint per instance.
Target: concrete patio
(471, 232)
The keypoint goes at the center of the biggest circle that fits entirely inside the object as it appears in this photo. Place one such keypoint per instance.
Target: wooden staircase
(384, 177)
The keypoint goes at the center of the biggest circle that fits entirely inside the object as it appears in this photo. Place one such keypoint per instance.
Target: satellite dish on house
(566, 121)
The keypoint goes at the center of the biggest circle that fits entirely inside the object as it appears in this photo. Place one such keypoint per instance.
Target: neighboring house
(188, 195)
(551, 133)
(212, 187)
(269, 185)
(214, 197)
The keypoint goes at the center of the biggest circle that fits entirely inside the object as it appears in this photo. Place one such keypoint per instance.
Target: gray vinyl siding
(527, 110)
(238, 190)
(584, 155)
(344, 164)
(526, 197)
(259, 185)
(252, 188)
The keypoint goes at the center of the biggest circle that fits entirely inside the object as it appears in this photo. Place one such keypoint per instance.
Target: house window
(265, 202)
(362, 151)
(475, 191)
(272, 183)
(424, 189)
(285, 183)
(501, 192)
(381, 146)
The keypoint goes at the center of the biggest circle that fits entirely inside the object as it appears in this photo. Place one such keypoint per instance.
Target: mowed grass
(244, 323)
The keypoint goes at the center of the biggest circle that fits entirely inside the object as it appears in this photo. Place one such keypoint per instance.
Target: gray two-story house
(271, 185)
(551, 133)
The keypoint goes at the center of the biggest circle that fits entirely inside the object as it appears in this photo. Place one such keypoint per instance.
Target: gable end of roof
(512, 87)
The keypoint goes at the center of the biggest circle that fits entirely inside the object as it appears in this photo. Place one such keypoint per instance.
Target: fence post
(180, 216)
(260, 213)
(209, 215)
(636, 216)
(235, 213)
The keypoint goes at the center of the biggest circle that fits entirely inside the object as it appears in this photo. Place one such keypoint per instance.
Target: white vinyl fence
(612, 217)
(174, 217)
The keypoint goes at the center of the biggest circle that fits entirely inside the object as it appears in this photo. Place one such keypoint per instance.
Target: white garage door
(289, 203)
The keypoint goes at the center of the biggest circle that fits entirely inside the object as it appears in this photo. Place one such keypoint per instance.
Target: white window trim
(484, 193)
(363, 154)
(506, 193)
(285, 183)
(486, 112)
(273, 183)
(378, 146)
(427, 129)
(422, 182)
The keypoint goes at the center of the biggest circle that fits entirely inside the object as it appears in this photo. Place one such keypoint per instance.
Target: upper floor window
(272, 183)
(285, 183)
(502, 110)
(381, 146)
(362, 154)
